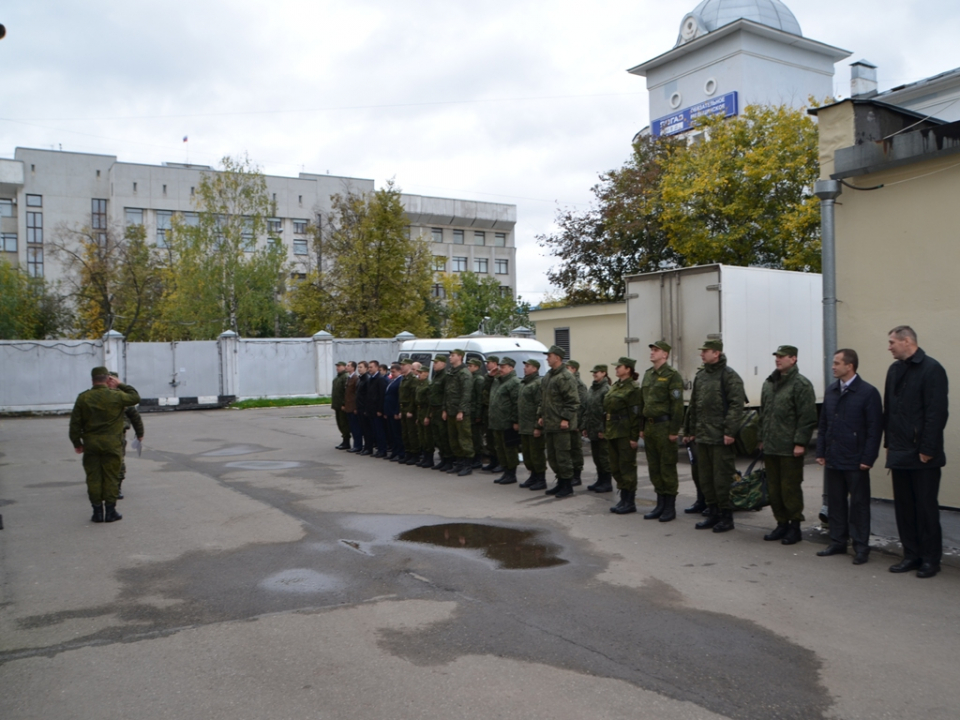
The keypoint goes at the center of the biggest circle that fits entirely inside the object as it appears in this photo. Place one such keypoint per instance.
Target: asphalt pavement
(260, 573)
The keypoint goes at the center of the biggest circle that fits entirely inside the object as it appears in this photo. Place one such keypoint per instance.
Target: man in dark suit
(363, 391)
(391, 412)
(915, 409)
(350, 407)
(376, 388)
(848, 442)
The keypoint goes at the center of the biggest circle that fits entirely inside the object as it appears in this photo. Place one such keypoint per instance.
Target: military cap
(662, 345)
(474, 361)
(574, 364)
(509, 361)
(786, 351)
(424, 368)
(458, 351)
(439, 358)
(341, 364)
(531, 361)
(99, 371)
(406, 361)
(713, 345)
(599, 368)
(628, 362)
(493, 358)
(113, 374)
(558, 351)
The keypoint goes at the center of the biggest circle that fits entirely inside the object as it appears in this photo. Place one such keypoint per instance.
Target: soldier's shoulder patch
(676, 394)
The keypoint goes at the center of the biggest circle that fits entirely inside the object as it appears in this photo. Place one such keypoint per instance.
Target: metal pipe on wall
(828, 191)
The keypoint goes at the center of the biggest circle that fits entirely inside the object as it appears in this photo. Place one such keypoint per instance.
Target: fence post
(229, 345)
(114, 357)
(323, 346)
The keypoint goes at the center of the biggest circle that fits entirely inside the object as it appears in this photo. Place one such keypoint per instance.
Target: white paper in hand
(137, 445)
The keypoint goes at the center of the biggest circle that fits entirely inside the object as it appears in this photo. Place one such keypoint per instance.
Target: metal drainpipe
(828, 191)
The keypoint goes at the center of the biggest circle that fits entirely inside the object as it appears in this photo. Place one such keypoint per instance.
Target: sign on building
(683, 120)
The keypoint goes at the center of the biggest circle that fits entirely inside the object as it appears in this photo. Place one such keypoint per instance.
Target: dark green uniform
(504, 414)
(424, 435)
(441, 437)
(457, 398)
(338, 397)
(477, 427)
(485, 404)
(661, 408)
(533, 447)
(131, 419)
(559, 401)
(788, 415)
(576, 441)
(716, 409)
(594, 425)
(96, 425)
(408, 414)
(622, 406)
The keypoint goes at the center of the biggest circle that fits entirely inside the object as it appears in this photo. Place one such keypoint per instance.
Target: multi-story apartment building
(42, 191)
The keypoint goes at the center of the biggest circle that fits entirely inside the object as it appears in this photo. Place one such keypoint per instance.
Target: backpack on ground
(749, 491)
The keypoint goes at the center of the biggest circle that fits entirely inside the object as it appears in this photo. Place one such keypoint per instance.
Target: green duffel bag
(747, 437)
(749, 491)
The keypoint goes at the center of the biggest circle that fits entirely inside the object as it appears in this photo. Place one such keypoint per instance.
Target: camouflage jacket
(594, 416)
(133, 420)
(488, 383)
(458, 391)
(437, 387)
(560, 400)
(528, 402)
(622, 405)
(788, 412)
(661, 395)
(716, 404)
(423, 399)
(96, 423)
(476, 402)
(338, 391)
(582, 392)
(408, 394)
(504, 402)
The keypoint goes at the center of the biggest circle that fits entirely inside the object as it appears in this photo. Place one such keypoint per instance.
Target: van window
(422, 358)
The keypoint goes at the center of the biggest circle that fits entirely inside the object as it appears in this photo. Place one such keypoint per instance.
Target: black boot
(627, 503)
(793, 535)
(555, 489)
(110, 513)
(603, 484)
(726, 521)
(455, 466)
(540, 483)
(711, 518)
(698, 507)
(529, 481)
(466, 468)
(345, 445)
(426, 460)
(97, 513)
(566, 488)
(442, 464)
(778, 533)
(509, 478)
(657, 511)
(490, 465)
(576, 478)
(669, 508)
(477, 462)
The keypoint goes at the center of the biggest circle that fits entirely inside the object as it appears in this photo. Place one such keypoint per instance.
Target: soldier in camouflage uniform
(338, 398)
(457, 397)
(576, 441)
(532, 442)
(133, 420)
(788, 415)
(96, 431)
(424, 435)
(408, 413)
(661, 410)
(436, 421)
(477, 428)
(622, 405)
(505, 420)
(493, 369)
(713, 417)
(559, 407)
(594, 425)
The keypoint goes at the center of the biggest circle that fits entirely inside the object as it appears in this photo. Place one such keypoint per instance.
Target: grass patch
(278, 402)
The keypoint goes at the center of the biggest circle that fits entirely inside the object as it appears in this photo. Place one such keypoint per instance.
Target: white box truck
(752, 310)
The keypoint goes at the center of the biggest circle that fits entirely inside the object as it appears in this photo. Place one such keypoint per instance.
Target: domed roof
(713, 14)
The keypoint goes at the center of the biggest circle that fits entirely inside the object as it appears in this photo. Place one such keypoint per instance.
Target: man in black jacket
(915, 411)
(376, 388)
(848, 442)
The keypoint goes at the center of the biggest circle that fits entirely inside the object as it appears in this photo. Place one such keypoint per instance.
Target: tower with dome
(734, 53)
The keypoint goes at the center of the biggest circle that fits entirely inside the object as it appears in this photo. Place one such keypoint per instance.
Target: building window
(459, 264)
(438, 292)
(458, 237)
(439, 263)
(133, 216)
(164, 219)
(8, 242)
(164, 189)
(274, 226)
(500, 240)
(561, 337)
(502, 267)
(298, 276)
(299, 246)
(35, 228)
(6, 208)
(98, 214)
(481, 265)
(34, 200)
(479, 238)
(190, 219)
(35, 262)
(506, 291)
(134, 187)
(437, 234)
(247, 239)
(299, 227)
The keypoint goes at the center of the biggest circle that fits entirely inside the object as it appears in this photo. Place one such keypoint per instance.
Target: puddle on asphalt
(234, 450)
(301, 580)
(263, 464)
(512, 549)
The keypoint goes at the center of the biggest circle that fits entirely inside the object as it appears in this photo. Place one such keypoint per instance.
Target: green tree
(470, 300)
(621, 234)
(375, 278)
(218, 277)
(30, 309)
(744, 195)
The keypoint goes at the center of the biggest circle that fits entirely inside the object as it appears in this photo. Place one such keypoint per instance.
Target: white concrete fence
(47, 375)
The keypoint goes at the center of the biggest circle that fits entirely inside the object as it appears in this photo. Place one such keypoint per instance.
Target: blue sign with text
(682, 120)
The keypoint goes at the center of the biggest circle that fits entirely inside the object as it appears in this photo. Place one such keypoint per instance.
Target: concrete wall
(597, 333)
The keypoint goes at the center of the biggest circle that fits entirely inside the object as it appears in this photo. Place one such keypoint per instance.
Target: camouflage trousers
(600, 450)
(460, 433)
(424, 435)
(441, 436)
(343, 425)
(623, 463)
(534, 453)
(479, 430)
(507, 455)
(784, 479)
(103, 476)
(559, 454)
(410, 434)
(716, 471)
(576, 450)
(661, 455)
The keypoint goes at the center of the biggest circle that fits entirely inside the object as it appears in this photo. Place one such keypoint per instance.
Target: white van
(520, 349)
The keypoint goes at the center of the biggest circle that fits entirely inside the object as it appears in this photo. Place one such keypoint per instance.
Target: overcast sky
(500, 100)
